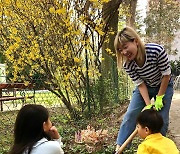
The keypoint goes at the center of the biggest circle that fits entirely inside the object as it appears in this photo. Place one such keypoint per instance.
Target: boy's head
(149, 122)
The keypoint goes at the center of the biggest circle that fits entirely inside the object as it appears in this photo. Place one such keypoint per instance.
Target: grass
(6, 130)
(67, 128)
(45, 98)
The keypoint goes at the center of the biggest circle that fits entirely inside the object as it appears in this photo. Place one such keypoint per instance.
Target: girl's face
(143, 132)
(129, 50)
(47, 125)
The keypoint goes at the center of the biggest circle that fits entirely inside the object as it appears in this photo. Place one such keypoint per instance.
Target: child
(149, 124)
(148, 67)
(34, 133)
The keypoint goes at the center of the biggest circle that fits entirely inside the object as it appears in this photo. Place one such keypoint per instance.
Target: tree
(111, 13)
(162, 22)
(109, 64)
(59, 40)
(131, 12)
(175, 67)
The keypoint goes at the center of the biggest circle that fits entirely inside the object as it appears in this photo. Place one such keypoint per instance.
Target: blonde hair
(128, 34)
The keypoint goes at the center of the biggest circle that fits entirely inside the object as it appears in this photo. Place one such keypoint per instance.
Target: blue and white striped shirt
(155, 67)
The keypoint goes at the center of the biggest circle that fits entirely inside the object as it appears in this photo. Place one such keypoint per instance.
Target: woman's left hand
(159, 102)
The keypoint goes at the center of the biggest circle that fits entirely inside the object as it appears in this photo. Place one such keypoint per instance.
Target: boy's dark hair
(152, 119)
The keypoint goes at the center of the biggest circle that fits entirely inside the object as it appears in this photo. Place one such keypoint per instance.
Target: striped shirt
(155, 67)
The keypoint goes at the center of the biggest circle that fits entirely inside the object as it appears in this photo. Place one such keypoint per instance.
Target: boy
(149, 124)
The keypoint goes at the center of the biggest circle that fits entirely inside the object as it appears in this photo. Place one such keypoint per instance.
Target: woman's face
(129, 50)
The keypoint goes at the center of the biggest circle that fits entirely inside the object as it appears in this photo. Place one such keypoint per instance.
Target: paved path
(174, 123)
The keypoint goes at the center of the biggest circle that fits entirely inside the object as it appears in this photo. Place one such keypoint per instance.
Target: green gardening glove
(148, 106)
(159, 102)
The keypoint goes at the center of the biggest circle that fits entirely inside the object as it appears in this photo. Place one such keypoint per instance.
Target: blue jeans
(135, 107)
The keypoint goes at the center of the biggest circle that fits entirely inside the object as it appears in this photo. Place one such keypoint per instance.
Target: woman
(148, 67)
(34, 133)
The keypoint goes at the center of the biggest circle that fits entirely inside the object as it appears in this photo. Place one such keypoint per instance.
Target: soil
(174, 121)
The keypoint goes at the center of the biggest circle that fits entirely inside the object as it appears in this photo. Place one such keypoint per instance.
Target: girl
(148, 67)
(34, 133)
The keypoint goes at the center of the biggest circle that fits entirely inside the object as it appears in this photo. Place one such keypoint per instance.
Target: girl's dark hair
(28, 128)
(152, 119)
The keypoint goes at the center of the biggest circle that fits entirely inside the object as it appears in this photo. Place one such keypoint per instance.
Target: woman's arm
(164, 84)
(159, 97)
(144, 93)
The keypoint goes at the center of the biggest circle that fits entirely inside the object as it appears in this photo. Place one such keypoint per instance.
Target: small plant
(93, 139)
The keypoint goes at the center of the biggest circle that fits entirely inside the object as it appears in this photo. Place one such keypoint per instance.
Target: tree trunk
(130, 19)
(109, 65)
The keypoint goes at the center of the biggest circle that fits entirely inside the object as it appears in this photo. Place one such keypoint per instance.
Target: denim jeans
(135, 107)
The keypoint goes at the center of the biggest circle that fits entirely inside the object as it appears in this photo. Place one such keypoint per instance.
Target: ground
(174, 123)
(113, 120)
(110, 120)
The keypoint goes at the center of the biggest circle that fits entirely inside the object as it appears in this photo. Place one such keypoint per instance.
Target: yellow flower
(11, 47)
(22, 77)
(66, 77)
(108, 50)
(61, 11)
(26, 83)
(105, 1)
(36, 45)
(99, 31)
(8, 2)
(19, 5)
(90, 74)
(76, 60)
(14, 30)
(65, 46)
(93, 0)
(52, 10)
(18, 39)
(16, 45)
